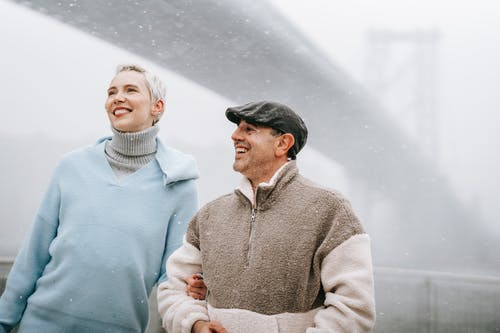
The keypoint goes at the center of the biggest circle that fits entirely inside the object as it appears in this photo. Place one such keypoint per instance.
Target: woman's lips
(120, 112)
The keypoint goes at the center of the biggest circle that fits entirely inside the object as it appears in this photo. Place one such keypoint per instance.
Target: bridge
(246, 50)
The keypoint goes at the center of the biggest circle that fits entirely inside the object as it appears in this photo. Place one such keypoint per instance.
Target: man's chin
(237, 166)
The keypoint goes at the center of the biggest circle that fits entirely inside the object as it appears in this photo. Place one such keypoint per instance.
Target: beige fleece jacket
(296, 259)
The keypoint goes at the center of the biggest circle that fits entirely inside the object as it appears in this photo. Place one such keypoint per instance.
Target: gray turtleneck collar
(128, 152)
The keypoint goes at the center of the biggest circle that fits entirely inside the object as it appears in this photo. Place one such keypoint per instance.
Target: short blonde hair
(155, 85)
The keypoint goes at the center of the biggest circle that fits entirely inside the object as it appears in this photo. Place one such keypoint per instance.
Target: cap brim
(232, 117)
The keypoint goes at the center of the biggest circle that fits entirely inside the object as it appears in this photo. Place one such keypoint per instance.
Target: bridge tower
(401, 72)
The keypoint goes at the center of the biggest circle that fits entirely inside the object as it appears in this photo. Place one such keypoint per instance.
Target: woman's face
(129, 105)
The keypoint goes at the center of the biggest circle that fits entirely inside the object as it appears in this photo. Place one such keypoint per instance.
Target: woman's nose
(119, 97)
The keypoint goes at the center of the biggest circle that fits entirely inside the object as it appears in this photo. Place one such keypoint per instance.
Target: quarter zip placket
(250, 235)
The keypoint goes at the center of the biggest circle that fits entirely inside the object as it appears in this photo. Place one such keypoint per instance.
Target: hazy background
(468, 77)
(435, 271)
(54, 79)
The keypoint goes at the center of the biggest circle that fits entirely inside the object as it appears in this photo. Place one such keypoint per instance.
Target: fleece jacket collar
(264, 197)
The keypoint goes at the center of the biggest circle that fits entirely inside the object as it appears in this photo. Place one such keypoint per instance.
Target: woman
(111, 216)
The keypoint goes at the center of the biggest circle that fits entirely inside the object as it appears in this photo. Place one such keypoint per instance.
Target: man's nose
(236, 136)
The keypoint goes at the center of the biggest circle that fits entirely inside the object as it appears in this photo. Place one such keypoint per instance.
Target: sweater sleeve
(31, 259)
(347, 278)
(187, 207)
(179, 311)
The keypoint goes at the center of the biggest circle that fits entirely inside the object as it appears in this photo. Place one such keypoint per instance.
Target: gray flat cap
(275, 115)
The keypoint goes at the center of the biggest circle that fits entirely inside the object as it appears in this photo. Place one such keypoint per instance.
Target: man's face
(129, 105)
(254, 151)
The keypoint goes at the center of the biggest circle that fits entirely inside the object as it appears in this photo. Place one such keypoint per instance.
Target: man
(280, 254)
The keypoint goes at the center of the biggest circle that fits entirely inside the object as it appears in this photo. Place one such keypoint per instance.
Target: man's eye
(131, 90)
(111, 92)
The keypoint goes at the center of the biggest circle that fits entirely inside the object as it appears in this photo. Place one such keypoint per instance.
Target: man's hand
(202, 326)
(196, 287)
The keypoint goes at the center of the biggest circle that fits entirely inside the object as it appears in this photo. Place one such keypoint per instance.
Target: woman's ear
(284, 144)
(158, 108)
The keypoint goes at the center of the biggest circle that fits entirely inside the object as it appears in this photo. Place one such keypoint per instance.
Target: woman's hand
(196, 287)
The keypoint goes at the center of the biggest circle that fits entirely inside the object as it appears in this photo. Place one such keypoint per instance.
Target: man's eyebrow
(253, 124)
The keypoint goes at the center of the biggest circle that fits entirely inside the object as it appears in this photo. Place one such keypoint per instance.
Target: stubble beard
(237, 166)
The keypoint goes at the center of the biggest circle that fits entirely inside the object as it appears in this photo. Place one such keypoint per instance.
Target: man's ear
(284, 144)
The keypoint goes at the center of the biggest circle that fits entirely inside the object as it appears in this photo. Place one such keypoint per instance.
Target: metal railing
(411, 301)
(434, 302)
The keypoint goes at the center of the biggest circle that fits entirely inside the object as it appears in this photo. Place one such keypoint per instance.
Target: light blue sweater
(98, 244)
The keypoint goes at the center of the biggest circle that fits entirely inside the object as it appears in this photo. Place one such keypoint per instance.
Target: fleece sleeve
(186, 208)
(31, 259)
(179, 311)
(347, 278)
